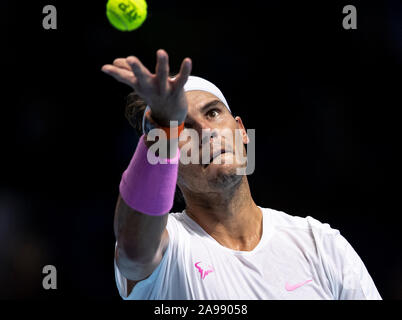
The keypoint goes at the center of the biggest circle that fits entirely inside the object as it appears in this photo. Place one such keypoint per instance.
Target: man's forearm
(138, 235)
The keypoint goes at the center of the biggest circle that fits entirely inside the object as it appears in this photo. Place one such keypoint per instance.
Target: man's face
(206, 112)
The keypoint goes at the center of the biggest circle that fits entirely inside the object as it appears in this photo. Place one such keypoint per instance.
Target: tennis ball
(126, 15)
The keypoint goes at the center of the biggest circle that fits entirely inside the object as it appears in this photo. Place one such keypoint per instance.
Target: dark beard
(225, 181)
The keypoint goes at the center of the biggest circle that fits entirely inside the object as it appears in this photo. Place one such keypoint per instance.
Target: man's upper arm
(352, 280)
(133, 272)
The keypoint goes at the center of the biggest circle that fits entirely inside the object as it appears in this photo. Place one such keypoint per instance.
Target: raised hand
(163, 94)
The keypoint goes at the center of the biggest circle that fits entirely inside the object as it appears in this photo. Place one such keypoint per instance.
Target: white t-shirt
(296, 258)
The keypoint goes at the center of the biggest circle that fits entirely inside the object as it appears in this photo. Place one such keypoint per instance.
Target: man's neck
(231, 218)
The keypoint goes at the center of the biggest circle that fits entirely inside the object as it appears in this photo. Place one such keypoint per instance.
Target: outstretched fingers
(182, 77)
(162, 70)
(141, 73)
(122, 63)
(120, 74)
(132, 72)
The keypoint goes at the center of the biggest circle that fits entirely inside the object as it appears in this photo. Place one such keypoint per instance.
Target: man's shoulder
(283, 220)
(179, 223)
(307, 232)
(176, 217)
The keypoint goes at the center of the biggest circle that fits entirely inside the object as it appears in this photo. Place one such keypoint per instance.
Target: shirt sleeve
(349, 278)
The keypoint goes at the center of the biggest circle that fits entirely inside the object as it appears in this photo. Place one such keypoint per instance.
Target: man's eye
(213, 113)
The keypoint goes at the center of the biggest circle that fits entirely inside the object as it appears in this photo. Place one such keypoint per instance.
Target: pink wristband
(149, 188)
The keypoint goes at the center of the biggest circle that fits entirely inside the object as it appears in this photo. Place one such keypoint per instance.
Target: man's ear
(243, 130)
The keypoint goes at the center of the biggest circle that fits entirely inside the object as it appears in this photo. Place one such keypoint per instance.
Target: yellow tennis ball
(126, 15)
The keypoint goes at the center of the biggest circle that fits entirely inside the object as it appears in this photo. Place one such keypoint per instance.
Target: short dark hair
(135, 107)
(134, 112)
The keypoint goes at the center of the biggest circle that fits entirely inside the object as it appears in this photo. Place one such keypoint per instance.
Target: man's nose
(201, 124)
(208, 135)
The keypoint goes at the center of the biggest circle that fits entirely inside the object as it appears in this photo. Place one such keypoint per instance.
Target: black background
(324, 102)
